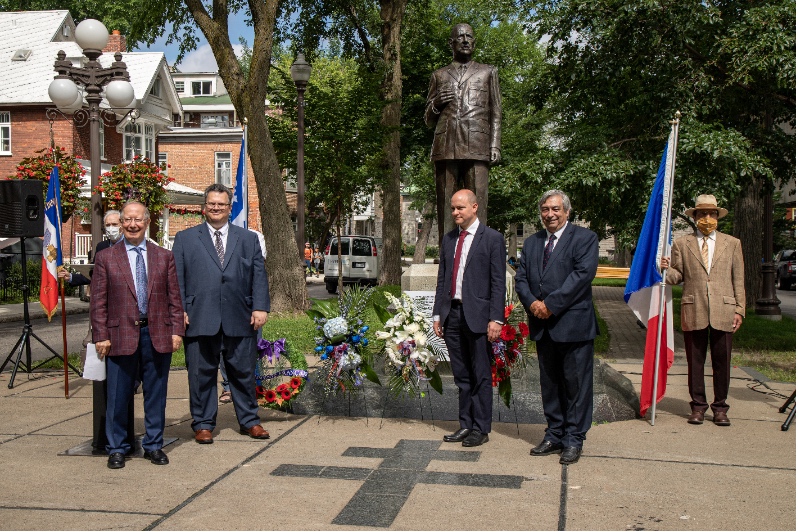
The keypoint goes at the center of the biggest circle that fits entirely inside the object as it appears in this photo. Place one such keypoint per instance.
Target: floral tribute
(70, 175)
(341, 343)
(280, 374)
(506, 354)
(410, 359)
(139, 180)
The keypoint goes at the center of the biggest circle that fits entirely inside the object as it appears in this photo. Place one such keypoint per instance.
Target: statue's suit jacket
(470, 125)
(709, 298)
(565, 284)
(114, 306)
(217, 296)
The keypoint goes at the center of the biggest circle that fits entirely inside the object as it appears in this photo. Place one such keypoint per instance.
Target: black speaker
(21, 208)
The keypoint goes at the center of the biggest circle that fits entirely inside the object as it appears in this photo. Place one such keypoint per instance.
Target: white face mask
(112, 232)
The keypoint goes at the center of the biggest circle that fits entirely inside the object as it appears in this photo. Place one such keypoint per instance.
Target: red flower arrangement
(139, 180)
(273, 366)
(506, 352)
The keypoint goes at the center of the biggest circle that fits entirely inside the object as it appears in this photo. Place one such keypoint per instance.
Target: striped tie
(705, 253)
(219, 247)
(547, 251)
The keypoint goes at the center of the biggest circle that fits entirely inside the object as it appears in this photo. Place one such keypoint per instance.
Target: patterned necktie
(547, 251)
(705, 253)
(141, 282)
(456, 266)
(219, 247)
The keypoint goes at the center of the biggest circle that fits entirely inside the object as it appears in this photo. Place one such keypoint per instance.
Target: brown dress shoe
(256, 431)
(696, 418)
(721, 419)
(203, 436)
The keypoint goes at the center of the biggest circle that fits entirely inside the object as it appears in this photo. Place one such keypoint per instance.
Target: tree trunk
(622, 256)
(749, 229)
(391, 14)
(286, 280)
(512, 242)
(423, 237)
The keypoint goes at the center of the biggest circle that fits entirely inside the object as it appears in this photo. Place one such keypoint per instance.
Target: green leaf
(434, 380)
(506, 391)
(369, 372)
(382, 313)
(313, 314)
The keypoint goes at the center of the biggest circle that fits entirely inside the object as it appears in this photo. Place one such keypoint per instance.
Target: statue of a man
(465, 106)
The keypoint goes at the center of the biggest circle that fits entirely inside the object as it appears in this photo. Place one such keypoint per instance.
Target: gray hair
(135, 202)
(566, 203)
(109, 213)
(218, 187)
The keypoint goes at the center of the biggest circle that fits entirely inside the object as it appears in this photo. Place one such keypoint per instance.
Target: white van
(359, 258)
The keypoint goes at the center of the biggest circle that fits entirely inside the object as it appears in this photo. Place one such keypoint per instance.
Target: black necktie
(547, 251)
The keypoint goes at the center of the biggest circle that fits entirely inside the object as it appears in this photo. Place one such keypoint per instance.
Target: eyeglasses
(217, 205)
(131, 220)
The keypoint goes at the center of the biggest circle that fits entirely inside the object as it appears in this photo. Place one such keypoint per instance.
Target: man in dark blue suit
(468, 313)
(225, 295)
(553, 282)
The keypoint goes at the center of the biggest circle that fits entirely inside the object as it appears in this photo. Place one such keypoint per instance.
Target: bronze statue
(465, 106)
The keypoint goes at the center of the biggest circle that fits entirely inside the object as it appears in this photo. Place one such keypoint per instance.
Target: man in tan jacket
(710, 264)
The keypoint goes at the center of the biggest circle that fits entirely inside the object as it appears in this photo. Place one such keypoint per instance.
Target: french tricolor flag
(644, 290)
(51, 247)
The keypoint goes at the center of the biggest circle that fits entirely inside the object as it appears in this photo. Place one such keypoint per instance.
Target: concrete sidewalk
(354, 473)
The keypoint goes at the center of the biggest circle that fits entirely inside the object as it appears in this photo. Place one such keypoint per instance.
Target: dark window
(344, 247)
(361, 248)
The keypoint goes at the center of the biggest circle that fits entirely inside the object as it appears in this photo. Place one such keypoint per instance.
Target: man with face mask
(113, 233)
(710, 264)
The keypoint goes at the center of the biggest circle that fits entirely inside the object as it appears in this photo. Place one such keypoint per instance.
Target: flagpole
(667, 199)
(64, 333)
(245, 184)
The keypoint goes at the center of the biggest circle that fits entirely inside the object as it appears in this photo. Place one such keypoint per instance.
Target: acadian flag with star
(52, 260)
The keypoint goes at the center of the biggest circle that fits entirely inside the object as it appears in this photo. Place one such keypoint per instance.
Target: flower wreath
(272, 370)
(506, 354)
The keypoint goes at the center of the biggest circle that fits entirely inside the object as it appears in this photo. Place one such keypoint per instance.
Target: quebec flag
(643, 290)
(240, 210)
(52, 260)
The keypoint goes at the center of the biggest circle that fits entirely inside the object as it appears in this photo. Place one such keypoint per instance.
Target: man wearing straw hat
(710, 264)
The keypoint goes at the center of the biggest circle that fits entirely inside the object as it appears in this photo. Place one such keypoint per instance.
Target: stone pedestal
(420, 277)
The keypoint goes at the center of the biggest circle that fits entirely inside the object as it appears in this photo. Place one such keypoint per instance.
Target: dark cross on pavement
(385, 489)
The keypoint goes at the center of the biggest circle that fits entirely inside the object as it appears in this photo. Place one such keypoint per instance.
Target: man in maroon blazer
(137, 323)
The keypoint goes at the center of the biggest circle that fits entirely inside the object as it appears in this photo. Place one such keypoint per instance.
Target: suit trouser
(566, 386)
(202, 361)
(468, 355)
(453, 175)
(122, 374)
(695, 345)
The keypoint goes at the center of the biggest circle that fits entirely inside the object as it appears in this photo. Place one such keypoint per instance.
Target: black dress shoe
(570, 455)
(475, 439)
(157, 457)
(116, 461)
(546, 447)
(457, 436)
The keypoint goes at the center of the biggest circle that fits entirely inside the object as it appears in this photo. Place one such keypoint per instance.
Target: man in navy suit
(553, 282)
(468, 313)
(225, 295)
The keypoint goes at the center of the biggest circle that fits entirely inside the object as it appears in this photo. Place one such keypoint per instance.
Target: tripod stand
(27, 332)
(791, 415)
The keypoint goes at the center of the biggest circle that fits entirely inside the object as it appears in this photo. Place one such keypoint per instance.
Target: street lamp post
(92, 36)
(300, 73)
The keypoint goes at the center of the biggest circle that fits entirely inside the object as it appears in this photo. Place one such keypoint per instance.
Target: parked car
(359, 261)
(785, 268)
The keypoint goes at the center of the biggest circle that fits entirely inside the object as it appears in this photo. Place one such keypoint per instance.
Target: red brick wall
(193, 165)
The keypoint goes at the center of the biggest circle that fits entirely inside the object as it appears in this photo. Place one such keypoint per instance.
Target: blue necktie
(547, 251)
(141, 282)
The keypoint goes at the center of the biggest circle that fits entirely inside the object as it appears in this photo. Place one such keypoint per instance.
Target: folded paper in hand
(94, 368)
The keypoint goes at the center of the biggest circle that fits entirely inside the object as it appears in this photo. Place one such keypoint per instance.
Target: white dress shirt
(557, 235)
(470, 232)
(225, 229)
(131, 257)
(710, 246)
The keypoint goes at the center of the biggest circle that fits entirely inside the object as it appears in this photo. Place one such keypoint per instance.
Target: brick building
(29, 43)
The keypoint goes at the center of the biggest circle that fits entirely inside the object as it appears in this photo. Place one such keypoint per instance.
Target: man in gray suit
(465, 107)
(225, 295)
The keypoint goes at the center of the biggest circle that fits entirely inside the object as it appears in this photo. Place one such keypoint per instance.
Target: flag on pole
(643, 291)
(51, 247)
(240, 210)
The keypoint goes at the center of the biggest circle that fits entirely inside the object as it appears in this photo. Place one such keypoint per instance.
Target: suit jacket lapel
(232, 241)
(452, 71)
(539, 247)
(477, 238)
(721, 244)
(122, 262)
(470, 71)
(692, 245)
(559, 246)
(207, 242)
